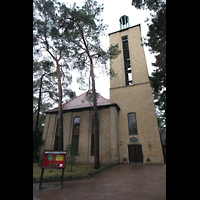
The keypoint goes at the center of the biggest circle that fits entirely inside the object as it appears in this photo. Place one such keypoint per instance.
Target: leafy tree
(87, 27)
(157, 43)
(72, 152)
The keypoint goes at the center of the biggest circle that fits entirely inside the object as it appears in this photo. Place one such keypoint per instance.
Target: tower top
(124, 22)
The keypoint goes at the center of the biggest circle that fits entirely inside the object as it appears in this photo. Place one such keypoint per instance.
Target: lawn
(79, 171)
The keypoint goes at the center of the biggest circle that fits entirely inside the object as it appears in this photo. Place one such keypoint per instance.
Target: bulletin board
(54, 159)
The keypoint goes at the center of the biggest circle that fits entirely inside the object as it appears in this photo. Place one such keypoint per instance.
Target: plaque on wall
(133, 139)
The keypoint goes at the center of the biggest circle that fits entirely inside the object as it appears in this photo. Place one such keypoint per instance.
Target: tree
(37, 142)
(72, 152)
(45, 90)
(49, 36)
(87, 27)
(157, 43)
(40, 69)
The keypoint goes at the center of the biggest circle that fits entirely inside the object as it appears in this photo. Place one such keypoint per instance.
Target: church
(127, 121)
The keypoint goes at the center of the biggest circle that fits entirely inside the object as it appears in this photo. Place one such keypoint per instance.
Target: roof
(123, 29)
(80, 103)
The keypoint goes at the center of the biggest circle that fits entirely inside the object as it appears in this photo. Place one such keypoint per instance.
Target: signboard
(133, 139)
(54, 159)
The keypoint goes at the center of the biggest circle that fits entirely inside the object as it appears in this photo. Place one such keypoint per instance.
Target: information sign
(54, 159)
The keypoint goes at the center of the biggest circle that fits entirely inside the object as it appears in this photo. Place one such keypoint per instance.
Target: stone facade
(114, 138)
(108, 137)
(136, 98)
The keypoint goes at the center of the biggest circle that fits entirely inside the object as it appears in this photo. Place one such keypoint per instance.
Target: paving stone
(135, 182)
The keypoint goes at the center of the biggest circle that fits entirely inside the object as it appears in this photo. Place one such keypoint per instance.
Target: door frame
(128, 152)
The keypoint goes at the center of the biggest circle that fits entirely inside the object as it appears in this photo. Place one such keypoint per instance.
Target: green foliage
(71, 35)
(87, 51)
(112, 73)
(147, 4)
(37, 142)
(72, 153)
(88, 24)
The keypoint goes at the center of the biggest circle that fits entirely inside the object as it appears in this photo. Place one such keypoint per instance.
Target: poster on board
(54, 159)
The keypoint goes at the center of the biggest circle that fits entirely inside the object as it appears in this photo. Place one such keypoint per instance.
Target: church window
(127, 64)
(132, 124)
(75, 135)
(92, 135)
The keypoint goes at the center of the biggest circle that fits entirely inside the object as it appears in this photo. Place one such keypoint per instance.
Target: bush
(37, 142)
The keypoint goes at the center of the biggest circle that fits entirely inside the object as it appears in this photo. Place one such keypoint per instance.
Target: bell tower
(124, 22)
(131, 90)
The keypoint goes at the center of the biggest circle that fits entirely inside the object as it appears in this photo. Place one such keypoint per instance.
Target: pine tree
(87, 27)
(50, 36)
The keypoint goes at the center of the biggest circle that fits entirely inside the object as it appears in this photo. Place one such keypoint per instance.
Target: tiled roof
(81, 103)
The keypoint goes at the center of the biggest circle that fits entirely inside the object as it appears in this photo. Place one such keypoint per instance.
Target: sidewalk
(134, 182)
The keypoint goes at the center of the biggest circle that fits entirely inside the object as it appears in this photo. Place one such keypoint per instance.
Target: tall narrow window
(127, 65)
(75, 135)
(132, 124)
(92, 135)
(56, 137)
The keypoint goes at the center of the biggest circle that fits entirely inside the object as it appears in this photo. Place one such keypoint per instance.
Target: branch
(80, 54)
(60, 56)
(79, 46)
(47, 49)
(62, 72)
(96, 54)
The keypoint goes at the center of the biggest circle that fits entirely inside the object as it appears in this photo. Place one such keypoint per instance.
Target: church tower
(139, 137)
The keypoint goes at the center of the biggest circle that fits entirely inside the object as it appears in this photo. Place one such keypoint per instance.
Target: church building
(127, 121)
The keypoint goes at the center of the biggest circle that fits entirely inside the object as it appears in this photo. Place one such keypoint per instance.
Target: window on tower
(132, 124)
(127, 64)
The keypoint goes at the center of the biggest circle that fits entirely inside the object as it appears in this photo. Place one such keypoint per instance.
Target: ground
(78, 170)
(135, 182)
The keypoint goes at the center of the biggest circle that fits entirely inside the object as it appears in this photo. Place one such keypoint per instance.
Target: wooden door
(135, 153)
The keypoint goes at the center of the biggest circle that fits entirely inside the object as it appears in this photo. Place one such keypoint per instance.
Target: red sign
(54, 159)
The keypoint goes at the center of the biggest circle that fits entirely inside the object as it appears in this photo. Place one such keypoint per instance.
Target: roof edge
(84, 108)
(124, 29)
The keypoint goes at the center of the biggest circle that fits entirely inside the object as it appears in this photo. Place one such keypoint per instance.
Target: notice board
(54, 159)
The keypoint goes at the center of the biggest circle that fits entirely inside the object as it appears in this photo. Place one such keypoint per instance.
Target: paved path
(128, 182)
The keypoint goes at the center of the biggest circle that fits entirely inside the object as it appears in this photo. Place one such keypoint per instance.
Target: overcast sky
(113, 10)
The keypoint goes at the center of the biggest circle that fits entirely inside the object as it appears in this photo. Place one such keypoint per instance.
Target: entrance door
(135, 153)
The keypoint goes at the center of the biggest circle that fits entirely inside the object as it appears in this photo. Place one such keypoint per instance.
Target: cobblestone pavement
(130, 182)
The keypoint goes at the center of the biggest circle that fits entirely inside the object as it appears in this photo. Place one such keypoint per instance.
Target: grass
(79, 171)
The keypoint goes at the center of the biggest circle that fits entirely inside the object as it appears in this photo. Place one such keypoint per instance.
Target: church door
(135, 153)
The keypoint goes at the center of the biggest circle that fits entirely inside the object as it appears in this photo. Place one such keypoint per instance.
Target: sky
(113, 10)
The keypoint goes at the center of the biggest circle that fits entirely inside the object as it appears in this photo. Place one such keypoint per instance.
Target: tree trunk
(60, 138)
(96, 135)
